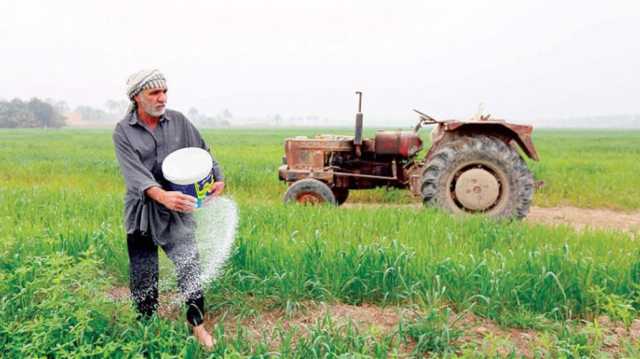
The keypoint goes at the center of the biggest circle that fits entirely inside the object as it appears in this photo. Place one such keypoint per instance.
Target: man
(154, 216)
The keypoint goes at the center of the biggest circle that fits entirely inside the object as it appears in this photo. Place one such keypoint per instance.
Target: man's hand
(173, 200)
(178, 201)
(216, 189)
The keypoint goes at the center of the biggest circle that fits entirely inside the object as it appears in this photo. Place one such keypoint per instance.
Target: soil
(583, 218)
(263, 326)
(169, 302)
(379, 321)
(578, 218)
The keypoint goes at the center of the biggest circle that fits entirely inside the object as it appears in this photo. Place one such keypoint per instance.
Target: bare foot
(203, 337)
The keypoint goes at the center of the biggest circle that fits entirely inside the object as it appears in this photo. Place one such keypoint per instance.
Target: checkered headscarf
(144, 80)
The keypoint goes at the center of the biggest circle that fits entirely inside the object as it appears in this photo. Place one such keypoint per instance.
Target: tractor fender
(507, 132)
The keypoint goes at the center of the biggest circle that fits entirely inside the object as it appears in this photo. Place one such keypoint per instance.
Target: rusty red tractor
(472, 166)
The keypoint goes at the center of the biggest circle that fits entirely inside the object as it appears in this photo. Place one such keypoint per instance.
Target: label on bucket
(199, 190)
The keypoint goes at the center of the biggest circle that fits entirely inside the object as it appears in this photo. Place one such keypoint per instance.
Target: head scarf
(144, 80)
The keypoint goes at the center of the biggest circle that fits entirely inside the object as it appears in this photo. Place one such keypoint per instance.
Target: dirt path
(578, 218)
(581, 218)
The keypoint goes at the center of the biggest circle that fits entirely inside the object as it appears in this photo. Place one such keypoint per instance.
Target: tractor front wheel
(309, 191)
(341, 194)
(478, 174)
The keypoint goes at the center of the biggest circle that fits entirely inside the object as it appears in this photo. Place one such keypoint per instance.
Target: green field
(62, 249)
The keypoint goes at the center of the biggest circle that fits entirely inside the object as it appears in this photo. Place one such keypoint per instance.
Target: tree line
(223, 119)
(49, 113)
(31, 114)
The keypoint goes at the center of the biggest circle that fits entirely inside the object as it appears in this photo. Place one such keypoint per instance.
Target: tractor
(472, 167)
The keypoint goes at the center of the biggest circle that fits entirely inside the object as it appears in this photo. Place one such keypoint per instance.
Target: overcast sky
(524, 60)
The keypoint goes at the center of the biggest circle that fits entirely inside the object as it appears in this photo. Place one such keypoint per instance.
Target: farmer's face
(153, 101)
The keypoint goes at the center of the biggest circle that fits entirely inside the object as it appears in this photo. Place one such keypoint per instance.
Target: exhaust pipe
(357, 141)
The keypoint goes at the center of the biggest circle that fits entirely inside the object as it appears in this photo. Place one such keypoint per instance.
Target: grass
(62, 246)
(588, 169)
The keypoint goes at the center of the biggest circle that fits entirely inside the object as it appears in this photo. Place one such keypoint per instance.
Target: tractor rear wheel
(479, 174)
(309, 191)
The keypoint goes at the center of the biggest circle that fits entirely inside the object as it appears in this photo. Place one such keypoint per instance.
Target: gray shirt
(140, 152)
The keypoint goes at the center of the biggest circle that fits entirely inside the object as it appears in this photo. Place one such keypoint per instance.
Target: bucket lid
(187, 165)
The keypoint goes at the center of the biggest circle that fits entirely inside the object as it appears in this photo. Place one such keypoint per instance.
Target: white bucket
(189, 170)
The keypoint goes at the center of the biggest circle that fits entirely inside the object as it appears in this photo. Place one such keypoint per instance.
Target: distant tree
(21, 118)
(61, 106)
(194, 115)
(91, 114)
(5, 118)
(277, 120)
(202, 120)
(45, 114)
(14, 114)
(198, 119)
(210, 121)
(35, 113)
(115, 108)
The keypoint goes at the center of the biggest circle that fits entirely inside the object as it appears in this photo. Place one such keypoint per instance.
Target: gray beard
(151, 112)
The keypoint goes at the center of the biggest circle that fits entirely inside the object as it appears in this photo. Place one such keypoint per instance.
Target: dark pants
(143, 274)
